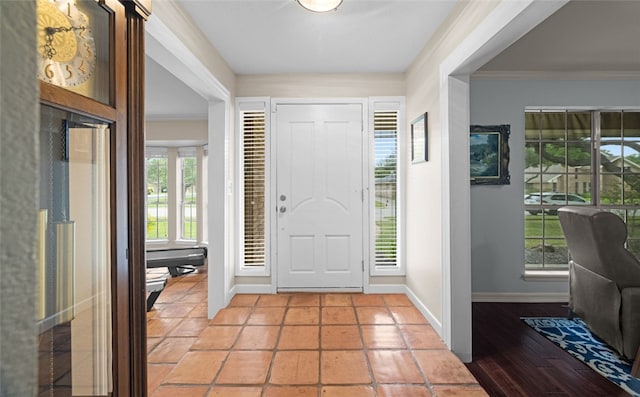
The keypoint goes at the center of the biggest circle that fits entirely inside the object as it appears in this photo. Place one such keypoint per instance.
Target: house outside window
(578, 158)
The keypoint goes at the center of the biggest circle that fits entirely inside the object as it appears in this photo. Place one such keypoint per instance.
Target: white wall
(497, 222)
(424, 181)
(321, 85)
(176, 130)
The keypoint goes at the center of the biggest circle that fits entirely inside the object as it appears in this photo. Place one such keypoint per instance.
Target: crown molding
(555, 75)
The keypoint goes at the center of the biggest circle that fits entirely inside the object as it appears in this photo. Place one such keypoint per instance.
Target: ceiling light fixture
(320, 5)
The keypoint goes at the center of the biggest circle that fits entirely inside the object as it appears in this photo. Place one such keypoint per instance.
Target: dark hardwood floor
(511, 359)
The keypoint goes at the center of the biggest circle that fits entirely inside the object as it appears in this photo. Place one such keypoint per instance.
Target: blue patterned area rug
(574, 337)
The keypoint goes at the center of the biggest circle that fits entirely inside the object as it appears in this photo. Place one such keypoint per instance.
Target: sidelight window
(386, 187)
(386, 198)
(253, 185)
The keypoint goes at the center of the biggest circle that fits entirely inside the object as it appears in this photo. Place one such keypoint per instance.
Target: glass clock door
(75, 246)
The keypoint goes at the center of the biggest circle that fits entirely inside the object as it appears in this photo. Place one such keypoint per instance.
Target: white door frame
(509, 21)
(173, 54)
(364, 102)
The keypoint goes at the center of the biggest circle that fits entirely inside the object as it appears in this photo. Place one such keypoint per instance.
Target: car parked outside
(552, 198)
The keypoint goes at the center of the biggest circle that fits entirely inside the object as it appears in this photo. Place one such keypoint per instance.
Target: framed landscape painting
(489, 154)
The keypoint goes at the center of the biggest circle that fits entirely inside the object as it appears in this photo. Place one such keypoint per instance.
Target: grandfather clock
(91, 306)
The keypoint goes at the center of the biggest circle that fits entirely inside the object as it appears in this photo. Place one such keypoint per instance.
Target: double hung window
(188, 193)
(157, 166)
(175, 195)
(578, 158)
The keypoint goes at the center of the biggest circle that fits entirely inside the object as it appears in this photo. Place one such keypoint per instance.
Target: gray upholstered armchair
(604, 277)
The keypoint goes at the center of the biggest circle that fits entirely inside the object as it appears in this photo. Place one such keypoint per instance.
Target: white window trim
(563, 274)
(545, 275)
(203, 230)
(381, 104)
(173, 180)
(252, 104)
(185, 151)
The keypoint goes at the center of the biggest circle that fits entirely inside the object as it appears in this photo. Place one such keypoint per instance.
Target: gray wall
(497, 222)
(18, 197)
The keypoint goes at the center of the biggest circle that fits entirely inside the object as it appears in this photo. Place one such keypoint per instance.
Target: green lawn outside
(386, 236)
(190, 230)
(157, 230)
(552, 233)
(555, 238)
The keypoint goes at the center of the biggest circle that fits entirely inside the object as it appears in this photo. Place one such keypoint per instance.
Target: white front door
(319, 196)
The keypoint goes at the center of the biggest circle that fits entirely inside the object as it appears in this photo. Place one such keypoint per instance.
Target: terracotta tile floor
(302, 345)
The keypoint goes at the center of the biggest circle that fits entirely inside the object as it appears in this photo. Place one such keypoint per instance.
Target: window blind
(385, 126)
(253, 157)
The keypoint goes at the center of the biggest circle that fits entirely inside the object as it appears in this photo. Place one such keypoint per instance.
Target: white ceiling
(278, 36)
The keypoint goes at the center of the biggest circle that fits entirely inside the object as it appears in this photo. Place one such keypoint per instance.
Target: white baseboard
(386, 289)
(253, 289)
(433, 321)
(520, 297)
(250, 289)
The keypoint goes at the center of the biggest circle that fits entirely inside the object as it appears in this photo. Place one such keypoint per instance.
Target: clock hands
(49, 50)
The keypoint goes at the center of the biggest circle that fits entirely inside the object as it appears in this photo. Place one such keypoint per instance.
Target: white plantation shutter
(385, 126)
(254, 184)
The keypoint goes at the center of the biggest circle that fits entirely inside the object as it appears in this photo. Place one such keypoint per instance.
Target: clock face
(67, 53)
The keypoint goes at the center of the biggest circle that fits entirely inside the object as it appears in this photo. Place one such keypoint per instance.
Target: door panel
(319, 196)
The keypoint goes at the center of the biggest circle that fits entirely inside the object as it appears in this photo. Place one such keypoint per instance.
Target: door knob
(283, 197)
(283, 209)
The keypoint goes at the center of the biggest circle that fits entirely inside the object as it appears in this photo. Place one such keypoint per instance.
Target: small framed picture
(489, 154)
(419, 140)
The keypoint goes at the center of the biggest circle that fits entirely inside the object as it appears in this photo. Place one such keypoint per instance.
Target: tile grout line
(365, 350)
(266, 385)
(228, 350)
